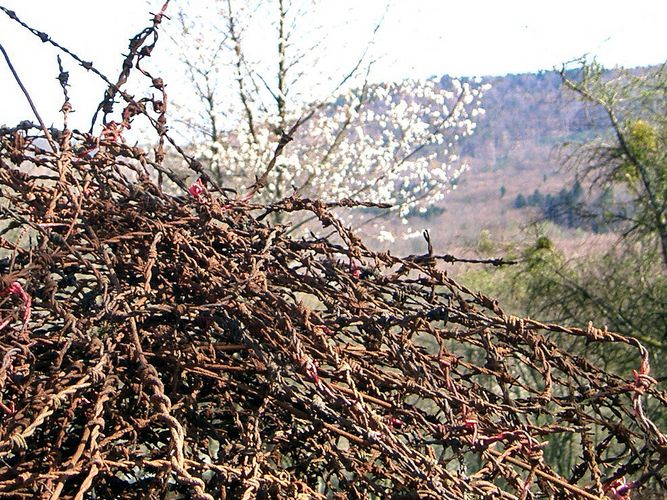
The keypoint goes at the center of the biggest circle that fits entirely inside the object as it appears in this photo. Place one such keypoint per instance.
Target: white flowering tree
(390, 143)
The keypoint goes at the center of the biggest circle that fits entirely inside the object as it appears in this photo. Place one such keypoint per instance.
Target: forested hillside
(516, 151)
(525, 110)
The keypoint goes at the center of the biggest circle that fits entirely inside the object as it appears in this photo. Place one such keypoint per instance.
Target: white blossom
(386, 236)
(391, 142)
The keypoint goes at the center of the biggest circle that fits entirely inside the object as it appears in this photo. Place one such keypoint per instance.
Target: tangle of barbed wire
(159, 337)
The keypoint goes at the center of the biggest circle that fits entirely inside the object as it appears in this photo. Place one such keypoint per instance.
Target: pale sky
(419, 38)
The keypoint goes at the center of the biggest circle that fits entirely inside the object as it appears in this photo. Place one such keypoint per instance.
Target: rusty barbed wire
(158, 343)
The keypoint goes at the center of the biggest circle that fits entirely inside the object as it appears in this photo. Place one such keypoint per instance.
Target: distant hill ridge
(514, 150)
(533, 107)
(524, 108)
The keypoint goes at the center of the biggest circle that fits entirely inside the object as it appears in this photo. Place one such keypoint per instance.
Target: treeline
(574, 208)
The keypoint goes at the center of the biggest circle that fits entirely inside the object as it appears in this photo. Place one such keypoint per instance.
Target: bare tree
(634, 156)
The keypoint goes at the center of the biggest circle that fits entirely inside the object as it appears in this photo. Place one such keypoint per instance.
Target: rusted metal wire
(156, 342)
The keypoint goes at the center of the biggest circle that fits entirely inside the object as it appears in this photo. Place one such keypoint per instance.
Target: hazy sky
(419, 38)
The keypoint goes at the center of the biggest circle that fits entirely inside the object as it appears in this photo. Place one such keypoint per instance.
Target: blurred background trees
(633, 159)
(619, 189)
(624, 171)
